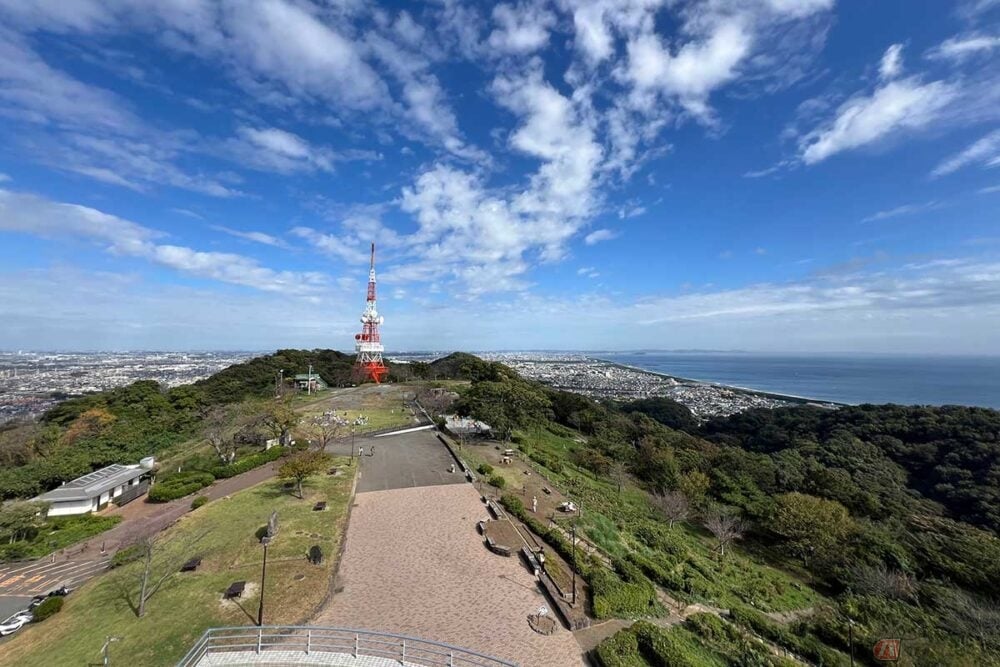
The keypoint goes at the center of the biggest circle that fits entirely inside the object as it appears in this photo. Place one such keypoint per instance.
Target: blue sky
(773, 175)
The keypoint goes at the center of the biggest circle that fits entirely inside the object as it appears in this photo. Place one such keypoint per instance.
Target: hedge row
(806, 646)
(645, 644)
(620, 650)
(248, 463)
(47, 608)
(179, 485)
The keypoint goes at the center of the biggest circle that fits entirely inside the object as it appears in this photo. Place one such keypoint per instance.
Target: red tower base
(374, 371)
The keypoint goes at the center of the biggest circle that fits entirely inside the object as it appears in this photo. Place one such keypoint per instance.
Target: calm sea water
(905, 380)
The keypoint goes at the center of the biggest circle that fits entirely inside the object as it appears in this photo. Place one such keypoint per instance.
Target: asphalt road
(403, 461)
(9, 604)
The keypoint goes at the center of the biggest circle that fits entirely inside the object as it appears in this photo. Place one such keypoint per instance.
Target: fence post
(355, 644)
(403, 660)
(260, 637)
(309, 641)
(451, 659)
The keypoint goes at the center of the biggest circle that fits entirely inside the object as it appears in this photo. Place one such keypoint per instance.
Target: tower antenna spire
(368, 365)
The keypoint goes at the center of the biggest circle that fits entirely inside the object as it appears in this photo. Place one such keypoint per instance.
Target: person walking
(371, 451)
(534, 503)
(361, 450)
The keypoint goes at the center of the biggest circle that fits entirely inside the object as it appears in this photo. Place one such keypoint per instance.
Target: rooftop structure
(96, 489)
(368, 344)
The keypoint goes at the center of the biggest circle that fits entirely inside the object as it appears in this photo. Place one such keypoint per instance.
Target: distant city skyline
(772, 176)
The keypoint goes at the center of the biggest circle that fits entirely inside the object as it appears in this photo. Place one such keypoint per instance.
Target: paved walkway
(414, 564)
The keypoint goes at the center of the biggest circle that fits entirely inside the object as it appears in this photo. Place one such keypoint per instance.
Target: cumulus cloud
(985, 151)
(521, 29)
(30, 214)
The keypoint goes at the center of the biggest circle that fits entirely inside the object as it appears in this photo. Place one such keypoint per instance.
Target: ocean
(903, 379)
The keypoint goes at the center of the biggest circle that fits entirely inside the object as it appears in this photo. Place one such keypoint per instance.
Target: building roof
(93, 484)
(305, 377)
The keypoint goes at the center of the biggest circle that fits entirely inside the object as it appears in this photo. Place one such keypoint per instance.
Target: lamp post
(272, 530)
(107, 645)
(352, 445)
(263, 571)
(574, 562)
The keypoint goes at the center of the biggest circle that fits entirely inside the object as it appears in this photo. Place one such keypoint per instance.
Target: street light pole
(263, 572)
(574, 562)
(104, 649)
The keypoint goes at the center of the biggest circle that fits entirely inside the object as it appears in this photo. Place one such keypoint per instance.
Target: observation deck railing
(315, 641)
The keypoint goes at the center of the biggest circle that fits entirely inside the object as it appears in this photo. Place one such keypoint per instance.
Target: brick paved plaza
(414, 564)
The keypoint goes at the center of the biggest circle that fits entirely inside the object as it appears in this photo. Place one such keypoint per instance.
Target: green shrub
(497, 481)
(807, 646)
(614, 597)
(248, 463)
(198, 502)
(620, 650)
(485, 469)
(126, 555)
(179, 485)
(48, 607)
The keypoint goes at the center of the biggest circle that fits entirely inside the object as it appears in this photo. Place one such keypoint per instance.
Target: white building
(95, 490)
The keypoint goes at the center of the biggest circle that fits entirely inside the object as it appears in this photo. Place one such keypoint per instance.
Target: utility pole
(309, 386)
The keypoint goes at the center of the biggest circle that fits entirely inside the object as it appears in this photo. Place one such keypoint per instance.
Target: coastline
(790, 398)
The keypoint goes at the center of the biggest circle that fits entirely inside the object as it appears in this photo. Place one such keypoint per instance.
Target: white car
(14, 623)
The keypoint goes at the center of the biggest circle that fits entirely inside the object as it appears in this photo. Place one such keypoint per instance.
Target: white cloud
(895, 107)
(4, 177)
(904, 209)
(892, 62)
(599, 235)
(695, 70)
(256, 237)
(985, 151)
(962, 47)
(30, 214)
(521, 29)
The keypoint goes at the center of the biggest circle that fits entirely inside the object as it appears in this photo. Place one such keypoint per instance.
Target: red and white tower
(368, 343)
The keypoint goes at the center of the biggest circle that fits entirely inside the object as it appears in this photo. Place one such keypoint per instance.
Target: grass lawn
(189, 603)
(58, 532)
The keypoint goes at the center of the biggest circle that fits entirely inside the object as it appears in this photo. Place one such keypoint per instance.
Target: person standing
(361, 451)
(371, 451)
(534, 503)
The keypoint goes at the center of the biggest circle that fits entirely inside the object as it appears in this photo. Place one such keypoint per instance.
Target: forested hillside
(891, 510)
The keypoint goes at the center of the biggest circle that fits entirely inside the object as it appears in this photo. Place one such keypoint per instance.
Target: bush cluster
(198, 502)
(248, 463)
(497, 481)
(807, 646)
(48, 607)
(485, 469)
(179, 485)
(126, 555)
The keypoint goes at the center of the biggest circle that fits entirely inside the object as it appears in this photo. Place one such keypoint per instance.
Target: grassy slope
(58, 533)
(611, 520)
(189, 603)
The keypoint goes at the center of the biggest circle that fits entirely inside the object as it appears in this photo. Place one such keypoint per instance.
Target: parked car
(14, 623)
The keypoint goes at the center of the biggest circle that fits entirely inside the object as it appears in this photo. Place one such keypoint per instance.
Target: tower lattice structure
(368, 344)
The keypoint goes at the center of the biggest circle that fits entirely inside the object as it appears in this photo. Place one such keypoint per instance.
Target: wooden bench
(191, 565)
(235, 590)
(495, 510)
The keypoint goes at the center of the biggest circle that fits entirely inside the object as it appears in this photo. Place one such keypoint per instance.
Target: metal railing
(343, 641)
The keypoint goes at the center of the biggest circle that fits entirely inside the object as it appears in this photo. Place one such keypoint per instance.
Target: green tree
(302, 466)
(811, 527)
(21, 521)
